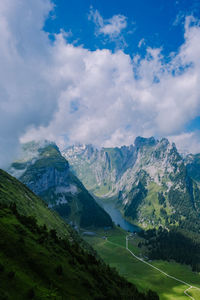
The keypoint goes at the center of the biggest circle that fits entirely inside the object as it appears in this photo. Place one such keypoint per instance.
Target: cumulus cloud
(24, 57)
(109, 27)
(68, 94)
(116, 97)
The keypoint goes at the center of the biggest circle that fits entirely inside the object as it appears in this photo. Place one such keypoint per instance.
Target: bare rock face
(115, 169)
(48, 177)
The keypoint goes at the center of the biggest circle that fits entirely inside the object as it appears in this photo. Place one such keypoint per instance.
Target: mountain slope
(148, 180)
(14, 192)
(46, 172)
(193, 166)
(36, 264)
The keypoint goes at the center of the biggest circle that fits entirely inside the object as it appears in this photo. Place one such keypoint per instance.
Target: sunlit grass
(113, 251)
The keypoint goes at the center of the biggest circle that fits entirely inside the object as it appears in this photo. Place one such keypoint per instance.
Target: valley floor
(112, 249)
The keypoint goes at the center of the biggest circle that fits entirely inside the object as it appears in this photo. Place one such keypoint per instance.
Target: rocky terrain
(46, 172)
(150, 182)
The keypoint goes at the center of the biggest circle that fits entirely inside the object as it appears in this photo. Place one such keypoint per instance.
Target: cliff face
(100, 169)
(192, 162)
(107, 171)
(39, 179)
(47, 174)
(148, 180)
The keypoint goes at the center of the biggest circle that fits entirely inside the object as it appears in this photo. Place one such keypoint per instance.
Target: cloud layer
(69, 94)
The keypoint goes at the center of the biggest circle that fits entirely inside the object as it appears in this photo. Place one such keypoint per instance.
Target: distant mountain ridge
(149, 181)
(46, 172)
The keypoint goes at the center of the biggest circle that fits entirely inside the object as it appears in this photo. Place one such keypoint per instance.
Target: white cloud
(141, 43)
(187, 142)
(113, 106)
(110, 27)
(60, 92)
(114, 25)
(24, 58)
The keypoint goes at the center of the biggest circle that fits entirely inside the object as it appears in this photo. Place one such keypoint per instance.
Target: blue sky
(158, 22)
(100, 72)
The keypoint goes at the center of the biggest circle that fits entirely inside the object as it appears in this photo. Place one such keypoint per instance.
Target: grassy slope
(36, 264)
(142, 275)
(150, 207)
(12, 191)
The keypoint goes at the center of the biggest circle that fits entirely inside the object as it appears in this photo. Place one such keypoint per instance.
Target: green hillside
(35, 263)
(113, 251)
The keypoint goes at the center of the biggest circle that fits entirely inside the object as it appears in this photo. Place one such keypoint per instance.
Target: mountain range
(149, 182)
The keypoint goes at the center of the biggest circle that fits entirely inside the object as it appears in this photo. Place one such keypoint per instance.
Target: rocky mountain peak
(141, 141)
(49, 176)
(115, 173)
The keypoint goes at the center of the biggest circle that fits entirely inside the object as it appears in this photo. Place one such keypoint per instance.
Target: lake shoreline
(117, 216)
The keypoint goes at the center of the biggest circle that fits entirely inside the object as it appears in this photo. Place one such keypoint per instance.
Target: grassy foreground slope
(36, 263)
(113, 251)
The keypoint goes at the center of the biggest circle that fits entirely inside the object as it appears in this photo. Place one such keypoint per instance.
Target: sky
(100, 72)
